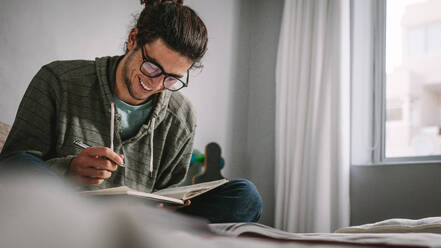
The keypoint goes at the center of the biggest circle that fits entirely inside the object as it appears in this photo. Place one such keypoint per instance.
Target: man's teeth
(144, 86)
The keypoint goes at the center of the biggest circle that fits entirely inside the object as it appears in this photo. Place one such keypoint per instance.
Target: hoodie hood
(106, 71)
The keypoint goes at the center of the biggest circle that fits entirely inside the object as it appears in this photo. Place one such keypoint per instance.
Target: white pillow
(426, 225)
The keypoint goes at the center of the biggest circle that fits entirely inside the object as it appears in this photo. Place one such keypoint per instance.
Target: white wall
(233, 94)
(34, 33)
(220, 91)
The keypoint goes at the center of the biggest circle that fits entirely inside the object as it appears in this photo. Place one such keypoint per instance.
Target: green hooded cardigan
(69, 100)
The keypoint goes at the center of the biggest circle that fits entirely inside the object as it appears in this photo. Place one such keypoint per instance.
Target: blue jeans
(25, 163)
(236, 201)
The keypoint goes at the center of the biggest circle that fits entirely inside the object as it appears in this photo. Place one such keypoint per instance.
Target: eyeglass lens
(170, 82)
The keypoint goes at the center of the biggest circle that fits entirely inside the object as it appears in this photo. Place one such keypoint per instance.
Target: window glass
(434, 39)
(416, 42)
(413, 80)
(394, 111)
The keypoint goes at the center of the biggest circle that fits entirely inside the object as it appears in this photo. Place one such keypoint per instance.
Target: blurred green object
(200, 159)
(196, 167)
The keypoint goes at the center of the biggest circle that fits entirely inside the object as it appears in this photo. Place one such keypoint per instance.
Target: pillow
(4, 131)
(426, 225)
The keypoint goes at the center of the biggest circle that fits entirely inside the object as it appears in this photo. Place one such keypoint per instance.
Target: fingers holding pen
(87, 181)
(98, 163)
(88, 175)
(104, 152)
(94, 164)
(173, 207)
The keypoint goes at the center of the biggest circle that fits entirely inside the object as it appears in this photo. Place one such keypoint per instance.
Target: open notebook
(176, 195)
(410, 239)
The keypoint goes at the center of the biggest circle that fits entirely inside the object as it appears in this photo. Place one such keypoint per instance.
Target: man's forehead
(170, 60)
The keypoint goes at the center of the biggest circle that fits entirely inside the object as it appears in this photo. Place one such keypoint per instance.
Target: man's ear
(131, 41)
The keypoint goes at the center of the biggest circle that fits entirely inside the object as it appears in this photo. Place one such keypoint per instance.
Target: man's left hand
(173, 207)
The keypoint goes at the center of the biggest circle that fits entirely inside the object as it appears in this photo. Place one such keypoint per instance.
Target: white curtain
(312, 116)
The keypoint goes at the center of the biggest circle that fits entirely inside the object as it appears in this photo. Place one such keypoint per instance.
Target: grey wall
(233, 94)
(395, 191)
(265, 27)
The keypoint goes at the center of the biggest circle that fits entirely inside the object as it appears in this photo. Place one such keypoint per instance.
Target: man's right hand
(94, 164)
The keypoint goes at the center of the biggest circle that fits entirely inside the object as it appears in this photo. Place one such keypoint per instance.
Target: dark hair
(177, 25)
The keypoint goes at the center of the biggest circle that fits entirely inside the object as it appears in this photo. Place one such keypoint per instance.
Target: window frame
(379, 118)
(368, 87)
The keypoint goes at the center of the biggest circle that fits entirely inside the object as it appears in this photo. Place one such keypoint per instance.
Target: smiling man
(136, 84)
(128, 109)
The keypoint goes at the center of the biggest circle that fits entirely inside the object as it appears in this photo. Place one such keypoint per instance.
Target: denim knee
(235, 201)
(249, 202)
(25, 163)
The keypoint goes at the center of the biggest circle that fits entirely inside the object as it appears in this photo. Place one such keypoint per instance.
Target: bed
(47, 215)
(36, 214)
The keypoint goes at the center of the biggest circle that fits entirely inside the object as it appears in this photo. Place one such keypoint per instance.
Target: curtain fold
(312, 116)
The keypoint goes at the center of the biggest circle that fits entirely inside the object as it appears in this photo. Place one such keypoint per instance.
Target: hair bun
(152, 2)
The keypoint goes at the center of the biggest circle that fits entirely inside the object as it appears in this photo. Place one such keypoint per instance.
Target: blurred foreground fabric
(41, 212)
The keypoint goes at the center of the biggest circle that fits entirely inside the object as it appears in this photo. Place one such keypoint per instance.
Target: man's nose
(157, 82)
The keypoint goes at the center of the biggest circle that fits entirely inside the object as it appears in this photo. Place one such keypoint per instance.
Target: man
(128, 109)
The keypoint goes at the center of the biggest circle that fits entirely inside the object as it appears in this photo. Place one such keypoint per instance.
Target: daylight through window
(413, 78)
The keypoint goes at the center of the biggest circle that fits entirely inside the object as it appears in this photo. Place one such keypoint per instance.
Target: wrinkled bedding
(36, 214)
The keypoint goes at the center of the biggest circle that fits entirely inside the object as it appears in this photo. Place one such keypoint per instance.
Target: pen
(83, 145)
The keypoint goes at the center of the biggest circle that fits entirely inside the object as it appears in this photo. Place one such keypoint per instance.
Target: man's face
(133, 87)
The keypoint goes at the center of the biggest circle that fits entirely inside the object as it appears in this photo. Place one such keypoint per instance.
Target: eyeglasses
(152, 69)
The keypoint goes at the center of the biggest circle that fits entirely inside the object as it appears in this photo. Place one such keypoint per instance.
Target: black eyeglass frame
(147, 59)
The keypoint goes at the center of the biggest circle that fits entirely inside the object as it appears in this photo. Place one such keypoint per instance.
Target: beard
(125, 75)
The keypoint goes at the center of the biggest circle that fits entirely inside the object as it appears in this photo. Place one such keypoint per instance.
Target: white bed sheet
(33, 214)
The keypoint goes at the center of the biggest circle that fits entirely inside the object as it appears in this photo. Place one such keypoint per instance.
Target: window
(396, 81)
(394, 111)
(434, 39)
(415, 42)
(411, 129)
(423, 41)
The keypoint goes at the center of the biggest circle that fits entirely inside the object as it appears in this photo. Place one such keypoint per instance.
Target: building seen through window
(413, 80)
